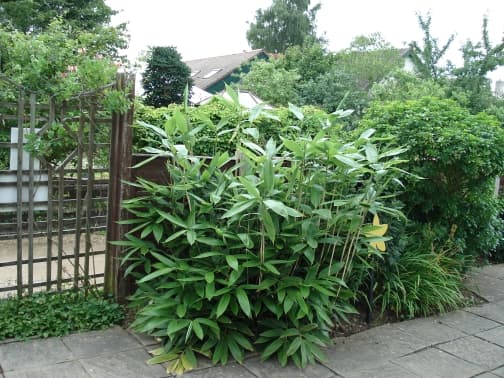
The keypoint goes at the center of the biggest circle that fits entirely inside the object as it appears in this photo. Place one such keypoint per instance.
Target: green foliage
(218, 120)
(36, 15)
(284, 24)
(4, 152)
(471, 79)
(424, 280)
(458, 155)
(402, 86)
(254, 254)
(334, 90)
(271, 83)
(56, 314)
(369, 60)
(56, 62)
(309, 60)
(165, 77)
(426, 58)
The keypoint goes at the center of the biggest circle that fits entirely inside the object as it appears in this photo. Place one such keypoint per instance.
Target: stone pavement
(464, 343)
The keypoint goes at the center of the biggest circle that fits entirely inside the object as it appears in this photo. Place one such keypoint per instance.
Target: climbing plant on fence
(255, 253)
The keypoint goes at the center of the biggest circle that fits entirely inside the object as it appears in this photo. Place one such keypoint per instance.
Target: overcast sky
(204, 28)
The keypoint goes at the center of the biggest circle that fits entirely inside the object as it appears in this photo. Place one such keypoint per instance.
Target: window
(211, 73)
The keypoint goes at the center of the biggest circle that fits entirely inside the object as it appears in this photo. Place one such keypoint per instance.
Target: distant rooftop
(208, 71)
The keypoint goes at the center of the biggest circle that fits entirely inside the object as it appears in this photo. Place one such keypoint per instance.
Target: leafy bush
(253, 254)
(459, 155)
(56, 314)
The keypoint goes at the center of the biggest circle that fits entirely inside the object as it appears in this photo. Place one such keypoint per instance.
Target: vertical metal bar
(50, 121)
(78, 196)
(19, 185)
(61, 183)
(59, 273)
(89, 192)
(31, 192)
(120, 170)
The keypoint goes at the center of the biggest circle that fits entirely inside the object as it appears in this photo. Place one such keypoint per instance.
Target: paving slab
(129, 364)
(434, 363)
(494, 335)
(371, 348)
(72, 369)
(387, 370)
(491, 311)
(96, 343)
(488, 287)
(272, 369)
(430, 330)
(33, 354)
(229, 371)
(495, 271)
(145, 340)
(475, 350)
(499, 371)
(467, 322)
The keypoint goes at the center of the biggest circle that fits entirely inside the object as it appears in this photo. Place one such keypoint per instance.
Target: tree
(36, 15)
(369, 59)
(479, 59)
(165, 77)
(58, 61)
(284, 24)
(402, 86)
(426, 59)
(273, 84)
(334, 89)
(309, 60)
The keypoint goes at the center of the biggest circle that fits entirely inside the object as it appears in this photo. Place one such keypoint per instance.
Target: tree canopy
(284, 24)
(165, 77)
(36, 15)
(427, 58)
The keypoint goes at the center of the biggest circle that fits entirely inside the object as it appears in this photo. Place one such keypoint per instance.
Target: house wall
(408, 65)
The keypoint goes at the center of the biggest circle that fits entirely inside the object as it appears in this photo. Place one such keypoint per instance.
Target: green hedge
(216, 136)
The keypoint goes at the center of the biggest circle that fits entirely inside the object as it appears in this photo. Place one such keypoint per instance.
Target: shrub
(255, 254)
(458, 155)
(56, 314)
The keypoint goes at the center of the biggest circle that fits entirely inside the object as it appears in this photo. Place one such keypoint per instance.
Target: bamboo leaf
(281, 209)
(298, 113)
(238, 208)
(232, 262)
(371, 153)
(223, 304)
(243, 301)
(157, 273)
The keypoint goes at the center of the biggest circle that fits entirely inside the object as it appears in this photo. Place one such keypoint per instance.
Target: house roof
(208, 71)
(405, 52)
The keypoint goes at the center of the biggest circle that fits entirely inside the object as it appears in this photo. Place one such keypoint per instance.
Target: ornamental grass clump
(254, 253)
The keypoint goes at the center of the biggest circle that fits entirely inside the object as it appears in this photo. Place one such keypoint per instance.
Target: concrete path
(465, 343)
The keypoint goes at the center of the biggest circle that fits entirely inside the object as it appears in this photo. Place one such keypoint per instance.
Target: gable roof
(201, 69)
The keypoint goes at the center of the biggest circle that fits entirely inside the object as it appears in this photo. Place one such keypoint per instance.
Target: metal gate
(54, 188)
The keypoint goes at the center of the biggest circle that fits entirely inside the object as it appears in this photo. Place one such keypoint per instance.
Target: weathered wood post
(121, 144)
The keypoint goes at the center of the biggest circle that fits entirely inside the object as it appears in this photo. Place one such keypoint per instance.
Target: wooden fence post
(121, 145)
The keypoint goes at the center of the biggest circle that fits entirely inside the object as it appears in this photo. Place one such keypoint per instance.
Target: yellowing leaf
(378, 230)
